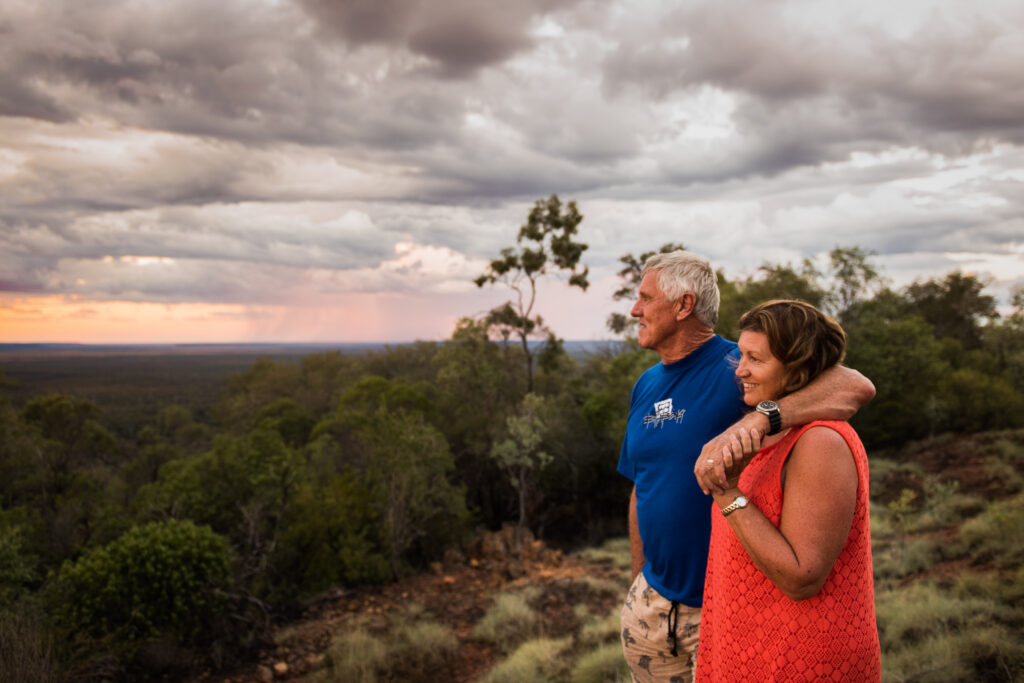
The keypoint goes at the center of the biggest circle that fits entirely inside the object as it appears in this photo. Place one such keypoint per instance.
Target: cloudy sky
(341, 170)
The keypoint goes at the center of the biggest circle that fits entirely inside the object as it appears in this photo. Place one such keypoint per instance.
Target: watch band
(770, 409)
(738, 503)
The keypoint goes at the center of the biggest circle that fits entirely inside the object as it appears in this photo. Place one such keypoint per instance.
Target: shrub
(508, 622)
(26, 649)
(943, 505)
(983, 654)
(921, 611)
(603, 665)
(905, 557)
(162, 580)
(538, 661)
(424, 646)
(997, 534)
(355, 657)
(596, 631)
(414, 648)
(614, 551)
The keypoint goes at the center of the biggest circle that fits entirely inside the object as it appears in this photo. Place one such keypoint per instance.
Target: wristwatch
(738, 503)
(771, 409)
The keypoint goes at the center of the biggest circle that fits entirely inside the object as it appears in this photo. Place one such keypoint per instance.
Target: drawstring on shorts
(673, 611)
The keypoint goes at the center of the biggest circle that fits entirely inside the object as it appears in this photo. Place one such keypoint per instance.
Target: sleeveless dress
(750, 631)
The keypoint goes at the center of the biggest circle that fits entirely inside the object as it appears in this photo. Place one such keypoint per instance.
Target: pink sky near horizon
(367, 317)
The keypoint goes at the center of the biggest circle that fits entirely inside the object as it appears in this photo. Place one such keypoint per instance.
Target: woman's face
(759, 371)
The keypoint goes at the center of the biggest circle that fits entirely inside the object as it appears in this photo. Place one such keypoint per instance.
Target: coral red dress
(750, 631)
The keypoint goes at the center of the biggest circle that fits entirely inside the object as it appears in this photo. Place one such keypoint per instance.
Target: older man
(680, 412)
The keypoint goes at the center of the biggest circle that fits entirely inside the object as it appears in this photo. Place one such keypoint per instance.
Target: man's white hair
(680, 272)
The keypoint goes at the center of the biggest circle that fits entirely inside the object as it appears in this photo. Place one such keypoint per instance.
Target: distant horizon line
(14, 346)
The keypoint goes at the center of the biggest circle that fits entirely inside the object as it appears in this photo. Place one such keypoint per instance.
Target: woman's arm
(820, 484)
(836, 394)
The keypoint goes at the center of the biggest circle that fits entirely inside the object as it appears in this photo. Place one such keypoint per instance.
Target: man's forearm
(636, 545)
(836, 394)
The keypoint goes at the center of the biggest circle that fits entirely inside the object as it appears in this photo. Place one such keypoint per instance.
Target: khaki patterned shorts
(646, 641)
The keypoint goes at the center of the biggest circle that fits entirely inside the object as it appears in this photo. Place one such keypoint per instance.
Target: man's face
(657, 317)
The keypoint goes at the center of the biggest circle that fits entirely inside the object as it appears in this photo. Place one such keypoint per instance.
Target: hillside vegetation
(183, 545)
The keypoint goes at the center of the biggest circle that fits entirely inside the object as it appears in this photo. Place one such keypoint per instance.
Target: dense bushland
(357, 469)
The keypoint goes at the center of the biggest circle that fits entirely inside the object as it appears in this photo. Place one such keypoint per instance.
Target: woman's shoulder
(824, 439)
(827, 429)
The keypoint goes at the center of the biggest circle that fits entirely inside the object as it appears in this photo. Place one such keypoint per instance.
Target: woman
(789, 594)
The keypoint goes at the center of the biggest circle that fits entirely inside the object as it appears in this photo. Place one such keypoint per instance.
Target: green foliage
(332, 537)
(853, 277)
(287, 418)
(18, 568)
(997, 534)
(407, 466)
(603, 665)
(508, 622)
(414, 647)
(428, 645)
(631, 275)
(157, 581)
(240, 488)
(983, 402)
(521, 453)
(903, 359)
(929, 635)
(356, 656)
(604, 630)
(614, 551)
(541, 660)
(775, 282)
(954, 306)
(545, 245)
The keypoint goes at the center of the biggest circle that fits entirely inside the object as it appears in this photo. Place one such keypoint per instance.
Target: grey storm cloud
(947, 86)
(458, 36)
(294, 135)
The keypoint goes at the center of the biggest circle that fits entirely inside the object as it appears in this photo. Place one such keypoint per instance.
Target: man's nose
(635, 311)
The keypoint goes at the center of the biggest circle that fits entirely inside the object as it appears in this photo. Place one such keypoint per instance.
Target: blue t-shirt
(674, 410)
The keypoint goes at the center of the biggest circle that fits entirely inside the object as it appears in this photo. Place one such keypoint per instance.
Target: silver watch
(738, 503)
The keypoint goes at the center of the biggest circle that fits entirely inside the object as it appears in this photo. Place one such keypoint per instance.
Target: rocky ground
(456, 592)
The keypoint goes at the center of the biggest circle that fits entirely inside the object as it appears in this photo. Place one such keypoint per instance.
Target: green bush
(537, 661)
(614, 551)
(922, 611)
(426, 645)
(980, 654)
(157, 581)
(902, 558)
(997, 534)
(356, 656)
(508, 622)
(415, 647)
(600, 630)
(603, 665)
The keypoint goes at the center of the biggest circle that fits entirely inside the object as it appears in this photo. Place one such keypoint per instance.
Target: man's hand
(723, 458)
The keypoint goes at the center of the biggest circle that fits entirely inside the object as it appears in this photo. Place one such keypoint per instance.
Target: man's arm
(836, 394)
(636, 545)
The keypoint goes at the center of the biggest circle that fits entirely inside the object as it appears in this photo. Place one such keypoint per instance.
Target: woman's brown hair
(804, 339)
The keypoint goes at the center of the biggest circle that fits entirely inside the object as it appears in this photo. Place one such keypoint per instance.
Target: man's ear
(687, 302)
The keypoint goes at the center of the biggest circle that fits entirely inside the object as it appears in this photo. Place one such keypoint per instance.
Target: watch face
(764, 406)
